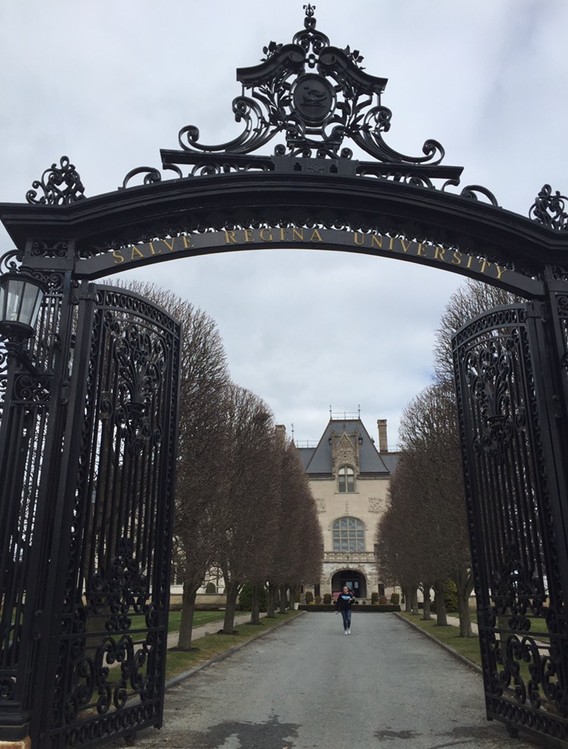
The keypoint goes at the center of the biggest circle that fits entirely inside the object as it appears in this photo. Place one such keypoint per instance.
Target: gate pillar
(30, 454)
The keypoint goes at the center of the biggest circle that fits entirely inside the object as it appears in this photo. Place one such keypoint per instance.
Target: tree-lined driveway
(306, 685)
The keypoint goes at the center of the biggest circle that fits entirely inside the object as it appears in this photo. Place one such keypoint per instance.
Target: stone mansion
(349, 478)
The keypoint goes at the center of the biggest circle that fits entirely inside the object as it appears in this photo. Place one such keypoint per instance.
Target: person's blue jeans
(346, 614)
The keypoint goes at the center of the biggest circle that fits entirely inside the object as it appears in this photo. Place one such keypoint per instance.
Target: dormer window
(346, 480)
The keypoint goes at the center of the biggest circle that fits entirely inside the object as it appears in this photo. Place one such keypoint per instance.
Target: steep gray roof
(390, 460)
(317, 461)
(306, 454)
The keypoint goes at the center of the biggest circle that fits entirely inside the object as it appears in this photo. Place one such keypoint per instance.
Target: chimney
(280, 430)
(383, 440)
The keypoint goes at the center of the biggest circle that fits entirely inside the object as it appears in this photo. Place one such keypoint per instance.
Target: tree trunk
(464, 585)
(406, 592)
(231, 592)
(441, 614)
(187, 611)
(465, 618)
(271, 601)
(427, 613)
(283, 591)
(292, 597)
(255, 605)
(414, 599)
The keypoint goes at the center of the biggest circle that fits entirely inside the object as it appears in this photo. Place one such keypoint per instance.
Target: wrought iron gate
(506, 406)
(87, 437)
(100, 658)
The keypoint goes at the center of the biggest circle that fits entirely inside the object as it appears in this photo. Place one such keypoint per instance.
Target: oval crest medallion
(314, 98)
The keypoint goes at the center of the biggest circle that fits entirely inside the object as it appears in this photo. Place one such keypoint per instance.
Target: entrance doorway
(355, 581)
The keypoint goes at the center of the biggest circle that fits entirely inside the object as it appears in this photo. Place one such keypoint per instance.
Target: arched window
(349, 535)
(346, 479)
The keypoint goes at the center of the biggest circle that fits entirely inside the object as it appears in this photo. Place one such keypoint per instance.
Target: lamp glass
(20, 302)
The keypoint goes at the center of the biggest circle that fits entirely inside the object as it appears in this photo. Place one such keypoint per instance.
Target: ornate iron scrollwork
(123, 587)
(317, 96)
(60, 185)
(113, 616)
(521, 616)
(312, 98)
(108, 670)
(549, 209)
(489, 370)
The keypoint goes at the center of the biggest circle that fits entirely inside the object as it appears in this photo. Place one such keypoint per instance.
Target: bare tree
(298, 548)
(467, 302)
(425, 528)
(249, 515)
(429, 432)
(398, 536)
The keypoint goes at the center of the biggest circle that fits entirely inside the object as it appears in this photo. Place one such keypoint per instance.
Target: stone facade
(349, 478)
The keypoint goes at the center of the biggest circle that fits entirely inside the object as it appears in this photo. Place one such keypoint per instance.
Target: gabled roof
(318, 460)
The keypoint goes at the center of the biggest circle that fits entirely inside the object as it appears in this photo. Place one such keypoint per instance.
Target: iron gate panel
(105, 671)
(516, 544)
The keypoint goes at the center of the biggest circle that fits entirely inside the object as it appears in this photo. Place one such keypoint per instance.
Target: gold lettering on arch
(367, 241)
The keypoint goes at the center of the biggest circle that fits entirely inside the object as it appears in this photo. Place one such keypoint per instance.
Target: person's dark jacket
(344, 601)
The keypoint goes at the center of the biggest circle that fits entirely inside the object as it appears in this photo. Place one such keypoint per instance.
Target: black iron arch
(310, 98)
(194, 216)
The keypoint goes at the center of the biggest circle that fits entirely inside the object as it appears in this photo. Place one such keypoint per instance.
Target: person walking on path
(343, 603)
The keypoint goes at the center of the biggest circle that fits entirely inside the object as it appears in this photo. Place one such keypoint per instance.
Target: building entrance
(354, 580)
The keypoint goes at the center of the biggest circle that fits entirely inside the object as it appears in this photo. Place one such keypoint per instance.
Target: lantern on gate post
(21, 296)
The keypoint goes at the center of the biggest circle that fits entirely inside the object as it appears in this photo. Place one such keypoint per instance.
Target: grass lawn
(174, 619)
(468, 647)
(199, 618)
(211, 646)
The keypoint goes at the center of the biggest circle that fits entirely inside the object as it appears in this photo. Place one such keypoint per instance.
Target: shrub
(318, 600)
(309, 596)
(395, 598)
(327, 598)
(374, 597)
(451, 597)
(245, 598)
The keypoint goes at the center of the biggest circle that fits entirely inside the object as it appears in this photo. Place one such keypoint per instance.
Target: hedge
(383, 608)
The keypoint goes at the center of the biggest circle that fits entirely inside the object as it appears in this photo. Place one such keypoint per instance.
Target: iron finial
(309, 20)
(59, 185)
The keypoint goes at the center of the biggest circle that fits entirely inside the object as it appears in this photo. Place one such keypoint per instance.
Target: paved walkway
(307, 686)
(212, 627)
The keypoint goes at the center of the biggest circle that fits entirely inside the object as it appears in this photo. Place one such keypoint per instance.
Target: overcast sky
(110, 82)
